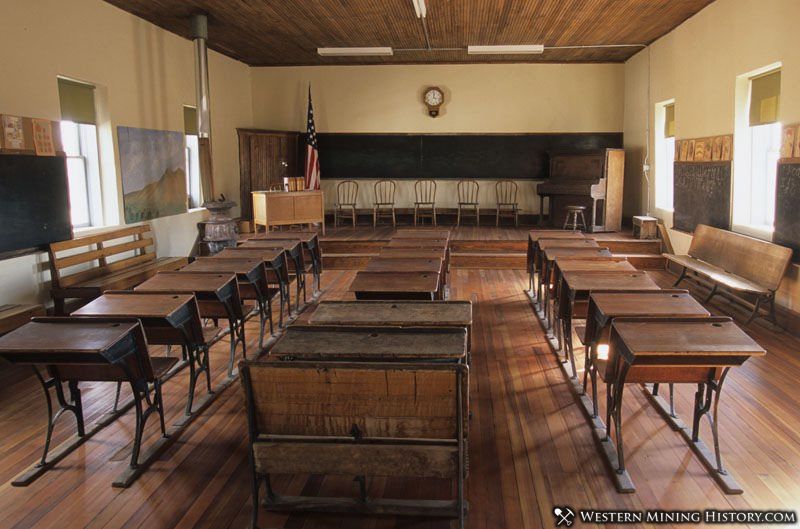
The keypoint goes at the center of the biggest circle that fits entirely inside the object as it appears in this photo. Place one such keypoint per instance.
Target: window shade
(669, 121)
(765, 96)
(190, 121)
(77, 101)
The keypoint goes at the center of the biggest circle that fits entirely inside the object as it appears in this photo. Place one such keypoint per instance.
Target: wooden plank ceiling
(288, 32)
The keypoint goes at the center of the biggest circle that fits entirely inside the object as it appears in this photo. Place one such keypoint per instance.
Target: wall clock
(433, 97)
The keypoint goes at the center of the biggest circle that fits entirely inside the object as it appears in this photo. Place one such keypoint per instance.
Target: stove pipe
(199, 36)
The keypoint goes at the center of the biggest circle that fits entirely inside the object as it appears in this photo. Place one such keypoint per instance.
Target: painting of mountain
(153, 167)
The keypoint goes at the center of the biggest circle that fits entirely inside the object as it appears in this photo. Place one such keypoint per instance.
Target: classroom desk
(577, 286)
(277, 274)
(670, 350)
(372, 344)
(549, 255)
(400, 264)
(250, 273)
(586, 264)
(168, 319)
(533, 249)
(400, 285)
(294, 253)
(75, 350)
(395, 314)
(545, 244)
(217, 296)
(422, 253)
(604, 306)
(311, 247)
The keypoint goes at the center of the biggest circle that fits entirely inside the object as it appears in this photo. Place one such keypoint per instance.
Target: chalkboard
(787, 208)
(34, 203)
(702, 195)
(450, 156)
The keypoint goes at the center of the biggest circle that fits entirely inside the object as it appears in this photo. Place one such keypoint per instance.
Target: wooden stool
(572, 218)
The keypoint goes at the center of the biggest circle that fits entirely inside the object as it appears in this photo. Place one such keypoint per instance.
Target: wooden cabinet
(281, 208)
(265, 159)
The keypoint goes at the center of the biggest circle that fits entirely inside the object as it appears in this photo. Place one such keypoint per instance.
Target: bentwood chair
(468, 200)
(507, 200)
(384, 201)
(346, 195)
(425, 200)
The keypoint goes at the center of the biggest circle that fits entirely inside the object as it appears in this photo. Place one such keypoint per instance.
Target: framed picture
(796, 149)
(727, 147)
(716, 149)
(684, 150)
(708, 146)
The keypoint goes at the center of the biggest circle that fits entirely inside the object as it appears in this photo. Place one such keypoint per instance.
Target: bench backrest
(378, 401)
(94, 253)
(761, 262)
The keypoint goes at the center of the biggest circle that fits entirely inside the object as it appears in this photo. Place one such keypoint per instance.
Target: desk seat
(717, 274)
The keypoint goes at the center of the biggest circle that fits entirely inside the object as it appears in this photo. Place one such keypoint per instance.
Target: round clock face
(434, 97)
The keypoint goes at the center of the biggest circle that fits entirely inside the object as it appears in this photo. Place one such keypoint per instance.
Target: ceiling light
(419, 8)
(524, 49)
(349, 52)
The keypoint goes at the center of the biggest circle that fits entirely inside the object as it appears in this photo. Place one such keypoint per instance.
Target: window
(757, 153)
(665, 154)
(192, 157)
(79, 136)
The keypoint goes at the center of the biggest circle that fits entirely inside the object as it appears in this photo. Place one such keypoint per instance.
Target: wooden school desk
(295, 254)
(311, 249)
(423, 253)
(586, 264)
(533, 248)
(395, 314)
(576, 286)
(401, 285)
(77, 350)
(250, 273)
(277, 274)
(373, 344)
(393, 265)
(168, 319)
(217, 297)
(604, 306)
(549, 255)
(545, 244)
(670, 350)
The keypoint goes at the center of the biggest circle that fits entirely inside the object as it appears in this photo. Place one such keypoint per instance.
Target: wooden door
(265, 159)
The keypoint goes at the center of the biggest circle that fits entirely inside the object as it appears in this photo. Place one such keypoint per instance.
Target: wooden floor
(530, 445)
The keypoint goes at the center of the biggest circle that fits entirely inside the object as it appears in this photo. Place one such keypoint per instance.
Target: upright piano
(592, 179)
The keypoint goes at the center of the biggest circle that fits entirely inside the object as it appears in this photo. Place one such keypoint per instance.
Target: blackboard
(450, 156)
(702, 195)
(787, 208)
(34, 203)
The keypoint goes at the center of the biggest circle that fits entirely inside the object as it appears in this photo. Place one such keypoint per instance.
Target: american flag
(312, 152)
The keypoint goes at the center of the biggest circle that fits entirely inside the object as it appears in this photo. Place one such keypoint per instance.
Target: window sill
(759, 232)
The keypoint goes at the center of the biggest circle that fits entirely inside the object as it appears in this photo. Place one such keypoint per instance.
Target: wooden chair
(425, 200)
(468, 199)
(346, 196)
(507, 204)
(384, 201)
(417, 433)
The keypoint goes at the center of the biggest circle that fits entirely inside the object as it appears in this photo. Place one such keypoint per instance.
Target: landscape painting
(153, 167)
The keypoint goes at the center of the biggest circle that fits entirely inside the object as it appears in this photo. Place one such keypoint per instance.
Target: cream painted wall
(478, 98)
(144, 76)
(697, 64)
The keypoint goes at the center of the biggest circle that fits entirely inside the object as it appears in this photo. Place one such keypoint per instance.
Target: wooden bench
(81, 268)
(356, 419)
(737, 263)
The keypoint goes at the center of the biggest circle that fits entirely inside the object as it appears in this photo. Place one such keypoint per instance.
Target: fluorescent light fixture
(524, 49)
(354, 52)
(419, 8)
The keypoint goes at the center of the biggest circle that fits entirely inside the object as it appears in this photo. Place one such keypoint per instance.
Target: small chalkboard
(787, 208)
(702, 195)
(34, 204)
